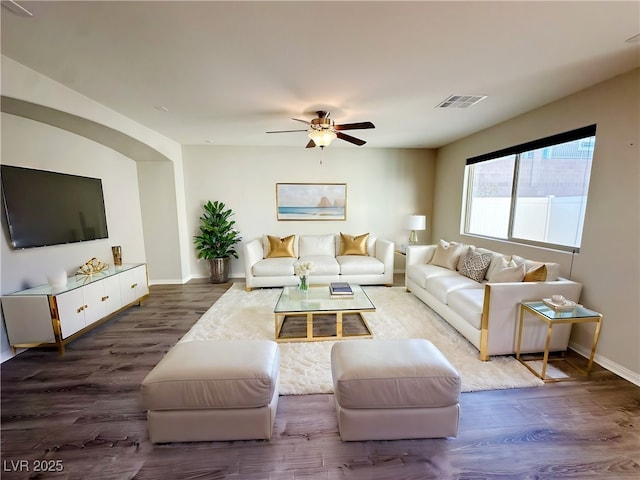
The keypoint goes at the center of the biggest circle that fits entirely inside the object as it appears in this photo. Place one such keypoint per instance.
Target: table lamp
(415, 222)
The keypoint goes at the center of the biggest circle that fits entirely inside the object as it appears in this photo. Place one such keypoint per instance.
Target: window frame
(518, 150)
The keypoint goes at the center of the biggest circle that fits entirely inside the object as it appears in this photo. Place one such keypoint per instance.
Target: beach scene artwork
(311, 201)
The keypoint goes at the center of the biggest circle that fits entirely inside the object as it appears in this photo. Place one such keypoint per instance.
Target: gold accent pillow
(353, 244)
(281, 247)
(537, 273)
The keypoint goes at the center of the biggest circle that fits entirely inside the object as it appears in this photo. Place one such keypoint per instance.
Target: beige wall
(608, 264)
(383, 187)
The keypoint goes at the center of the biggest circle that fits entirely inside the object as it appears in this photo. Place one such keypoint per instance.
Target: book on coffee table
(340, 288)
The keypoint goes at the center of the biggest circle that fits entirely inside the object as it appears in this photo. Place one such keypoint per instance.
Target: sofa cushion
(419, 273)
(393, 373)
(281, 247)
(310, 245)
(441, 286)
(213, 374)
(274, 267)
(359, 265)
(507, 271)
(475, 265)
(353, 244)
(447, 254)
(322, 264)
(467, 303)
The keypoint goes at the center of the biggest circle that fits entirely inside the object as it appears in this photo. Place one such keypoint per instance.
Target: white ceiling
(229, 71)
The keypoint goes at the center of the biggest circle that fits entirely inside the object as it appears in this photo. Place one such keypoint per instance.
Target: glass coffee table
(317, 315)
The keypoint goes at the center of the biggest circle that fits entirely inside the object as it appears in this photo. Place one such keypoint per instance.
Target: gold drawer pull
(79, 309)
(105, 298)
(134, 285)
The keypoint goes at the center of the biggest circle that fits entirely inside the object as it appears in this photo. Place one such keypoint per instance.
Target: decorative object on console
(92, 266)
(303, 270)
(217, 240)
(116, 250)
(413, 223)
(57, 279)
(311, 201)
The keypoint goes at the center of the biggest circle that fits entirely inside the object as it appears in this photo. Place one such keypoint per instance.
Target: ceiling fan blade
(350, 139)
(311, 144)
(303, 121)
(286, 131)
(355, 126)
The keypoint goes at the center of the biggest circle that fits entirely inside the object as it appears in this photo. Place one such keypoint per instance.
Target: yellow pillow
(354, 245)
(537, 273)
(281, 247)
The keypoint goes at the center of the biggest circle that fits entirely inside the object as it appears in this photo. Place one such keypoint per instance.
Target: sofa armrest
(384, 253)
(501, 308)
(419, 254)
(253, 253)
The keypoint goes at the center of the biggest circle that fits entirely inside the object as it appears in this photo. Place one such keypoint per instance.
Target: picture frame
(311, 201)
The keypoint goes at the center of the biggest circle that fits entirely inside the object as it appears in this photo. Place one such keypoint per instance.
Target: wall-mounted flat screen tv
(48, 208)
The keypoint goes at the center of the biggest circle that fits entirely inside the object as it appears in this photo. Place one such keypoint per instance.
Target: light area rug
(305, 367)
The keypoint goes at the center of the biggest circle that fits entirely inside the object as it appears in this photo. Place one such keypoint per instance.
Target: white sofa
(487, 312)
(374, 267)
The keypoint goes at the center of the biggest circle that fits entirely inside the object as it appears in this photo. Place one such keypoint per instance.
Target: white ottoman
(213, 390)
(394, 389)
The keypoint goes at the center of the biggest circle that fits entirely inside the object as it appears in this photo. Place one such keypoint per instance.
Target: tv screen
(48, 208)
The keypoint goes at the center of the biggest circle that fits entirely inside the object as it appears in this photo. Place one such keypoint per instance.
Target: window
(533, 193)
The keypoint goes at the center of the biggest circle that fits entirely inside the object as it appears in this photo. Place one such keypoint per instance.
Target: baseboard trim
(614, 367)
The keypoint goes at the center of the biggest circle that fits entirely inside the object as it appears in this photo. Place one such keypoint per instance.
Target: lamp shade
(416, 222)
(322, 138)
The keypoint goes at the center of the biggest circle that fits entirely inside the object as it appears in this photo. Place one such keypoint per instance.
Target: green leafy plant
(217, 237)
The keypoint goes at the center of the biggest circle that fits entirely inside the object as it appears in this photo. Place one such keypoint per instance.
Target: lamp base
(413, 237)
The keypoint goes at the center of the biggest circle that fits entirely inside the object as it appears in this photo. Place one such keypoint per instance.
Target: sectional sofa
(362, 259)
(478, 292)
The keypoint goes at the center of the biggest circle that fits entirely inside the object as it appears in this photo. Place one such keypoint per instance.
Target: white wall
(383, 187)
(32, 144)
(608, 264)
(161, 234)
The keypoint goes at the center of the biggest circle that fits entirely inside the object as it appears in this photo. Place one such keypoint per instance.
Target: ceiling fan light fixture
(322, 138)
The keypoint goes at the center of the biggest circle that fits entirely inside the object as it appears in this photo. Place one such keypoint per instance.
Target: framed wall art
(311, 201)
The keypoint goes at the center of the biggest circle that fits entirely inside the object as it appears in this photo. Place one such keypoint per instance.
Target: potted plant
(217, 240)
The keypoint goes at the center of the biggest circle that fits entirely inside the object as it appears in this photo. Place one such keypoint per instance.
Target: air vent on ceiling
(461, 101)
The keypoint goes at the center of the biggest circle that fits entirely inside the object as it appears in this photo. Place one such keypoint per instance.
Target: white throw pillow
(507, 271)
(447, 254)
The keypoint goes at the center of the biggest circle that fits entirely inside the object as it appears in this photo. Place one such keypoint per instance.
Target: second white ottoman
(394, 389)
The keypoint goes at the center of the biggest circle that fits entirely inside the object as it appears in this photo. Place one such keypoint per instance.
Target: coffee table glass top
(318, 299)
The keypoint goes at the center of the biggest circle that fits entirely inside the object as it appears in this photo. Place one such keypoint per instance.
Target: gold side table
(552, 317)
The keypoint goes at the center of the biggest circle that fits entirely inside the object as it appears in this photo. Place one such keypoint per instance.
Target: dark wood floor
(81, 414)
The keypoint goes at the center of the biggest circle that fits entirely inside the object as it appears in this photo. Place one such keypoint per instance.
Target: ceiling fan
(322, 130)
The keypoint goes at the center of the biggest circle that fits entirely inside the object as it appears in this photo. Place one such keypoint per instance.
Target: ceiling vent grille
(461, 101)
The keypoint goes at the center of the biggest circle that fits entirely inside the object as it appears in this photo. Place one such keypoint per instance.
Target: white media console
(45, 316)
